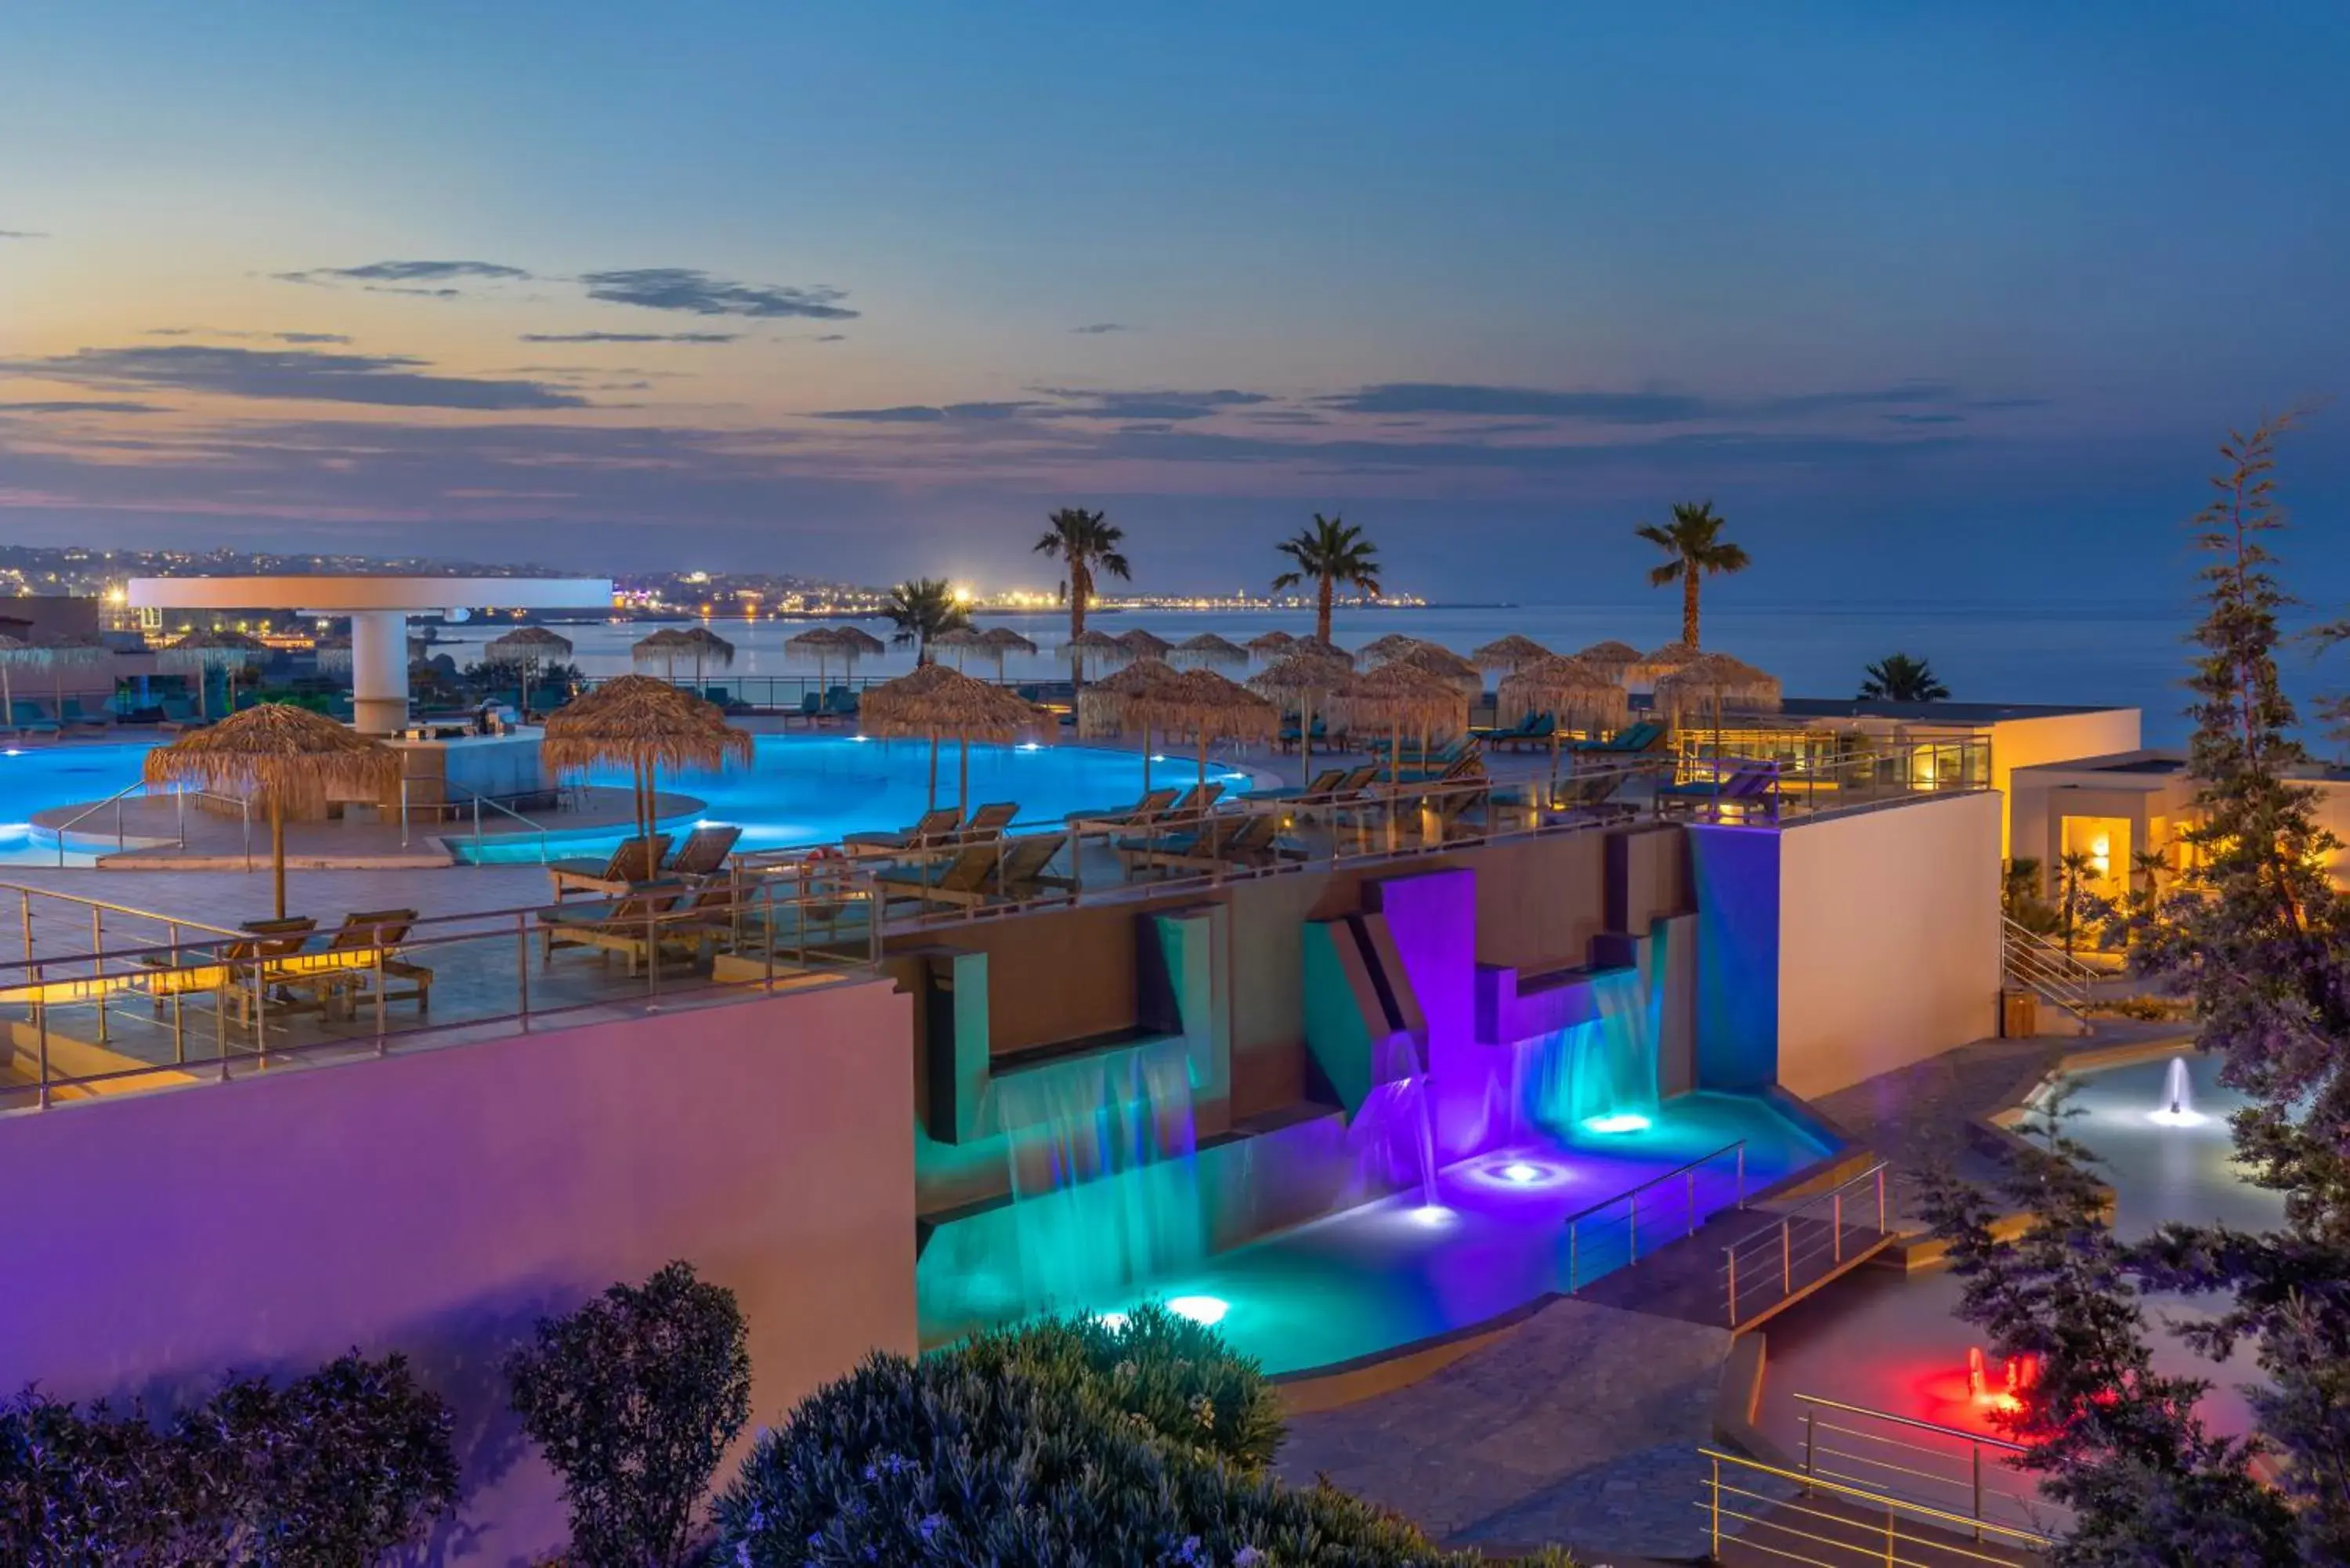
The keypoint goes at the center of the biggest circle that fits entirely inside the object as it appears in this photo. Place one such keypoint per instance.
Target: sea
(2083, 651)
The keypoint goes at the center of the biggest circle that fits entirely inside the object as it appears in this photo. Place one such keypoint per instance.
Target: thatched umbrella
(284, 755)
(962, 639)
(1209, 707)
(1391, 645)
(1396, 697)
(1444, 664)
(1509, 653)
(1001, 640)
(1657, 663)
(821, 641)
(331, 653)
(525, 649)
(207, 650)
(1719, 681)
(1092, 642)
(1267, 644)
(661, 649)
(1611, 656)
(937, 702)
(1585, 696)
(1209, 648)
(1107, 706)
(1141, 644)
(13, 651)
(644, 724)
(1305, 679)
(708, 648)
(1321, 645)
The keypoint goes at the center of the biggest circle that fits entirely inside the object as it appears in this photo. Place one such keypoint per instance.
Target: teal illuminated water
(37, 777)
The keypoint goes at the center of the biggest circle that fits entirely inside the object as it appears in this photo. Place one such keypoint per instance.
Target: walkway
(1581, 1428)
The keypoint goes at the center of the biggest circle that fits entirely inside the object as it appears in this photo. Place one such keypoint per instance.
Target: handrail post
(1691, 1200)
(1974, 1451)
(1573, 1259)
(1731, 1254)
(1714, 1513)
(1881, 1225)
(97, 964)
(1632, 1227)
(1741, 1174)
(1787, 1255)
(521, 963)
(1811, 1440)
(1835, 1226)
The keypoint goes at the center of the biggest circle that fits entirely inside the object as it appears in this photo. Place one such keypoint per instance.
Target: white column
(379, 671)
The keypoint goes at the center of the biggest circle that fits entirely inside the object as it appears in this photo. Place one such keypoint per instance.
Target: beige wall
(1889, 937)
(439, 1202)
(2059, 738)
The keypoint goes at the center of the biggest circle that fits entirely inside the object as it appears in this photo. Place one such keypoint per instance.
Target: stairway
(2031, 963)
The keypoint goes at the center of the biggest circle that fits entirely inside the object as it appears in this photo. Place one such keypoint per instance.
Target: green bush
(634, 1399)
(338, 1468)
(1024, 1448)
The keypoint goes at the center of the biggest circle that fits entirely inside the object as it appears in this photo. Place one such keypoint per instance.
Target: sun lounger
(1253, 840)
(74, 716)
(704, 851)
(230, 965)
(1321, 786)
(635, 860)
(1633, 740)
(1750, 783)
(338, 976)
(30, 718)
(1153, 804)
(637, 926)
(1193, 802)
(987, 821)
(935, 827)
(1592, 797)
(1007, 871)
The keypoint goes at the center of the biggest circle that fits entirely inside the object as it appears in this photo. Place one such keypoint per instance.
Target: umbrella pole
(934, 768)
(277, 851)
(1203, 759)
(1305, 736)
(1145, 759)
(962, 774)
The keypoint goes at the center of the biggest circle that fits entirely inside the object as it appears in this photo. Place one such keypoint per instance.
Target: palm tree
(1086, 542)
(1330, 553)
(1693, 539)
(1898, 678)
(2074, 867)
(921, 609)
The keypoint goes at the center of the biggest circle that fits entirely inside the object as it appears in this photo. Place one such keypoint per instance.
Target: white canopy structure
(379, 608)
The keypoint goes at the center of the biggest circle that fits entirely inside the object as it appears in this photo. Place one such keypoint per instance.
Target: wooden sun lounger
(364, 947)
(1234, 841)
(634, 926)
(635, 860)
(938, 826)
(1003, 871)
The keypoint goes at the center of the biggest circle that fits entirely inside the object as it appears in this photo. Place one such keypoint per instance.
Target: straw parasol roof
(1511, 652)
(279, 756)
(526, 645)
(1660, 662)
(1442, 663)
(644, 725)
(709, 645)
(934, 701)
(1391, 645)
(1309, 680)
(1399, 696)
(1102, 706)
(960, 640)
(1265, 644)
(1208, 707)
(1581, 696)
(816, 639)
(859, 642)
(1611, 655)
(1145, 644)
(1003, 640)
(1718, 681)
(1321, 645)
(201, 650)
(1209, 648)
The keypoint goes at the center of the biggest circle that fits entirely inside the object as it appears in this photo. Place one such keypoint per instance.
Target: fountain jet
(2177, 1107)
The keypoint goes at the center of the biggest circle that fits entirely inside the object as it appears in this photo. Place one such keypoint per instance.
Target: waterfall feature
(1393, 1144)
(1597, 1076)
(1105, 1190)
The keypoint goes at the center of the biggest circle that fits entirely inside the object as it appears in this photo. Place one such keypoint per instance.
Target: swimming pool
(811, 789)
(41, 777)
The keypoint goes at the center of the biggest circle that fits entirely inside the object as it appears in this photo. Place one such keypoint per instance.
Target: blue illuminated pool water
(811, 789)
(38, 778)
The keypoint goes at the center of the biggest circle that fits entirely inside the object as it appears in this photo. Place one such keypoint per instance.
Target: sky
(1924, 298)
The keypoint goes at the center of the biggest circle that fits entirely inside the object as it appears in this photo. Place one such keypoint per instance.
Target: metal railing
(1859, 1446)
(107, 998)
(1675, 1210)
(180, 819)
(1818, 1231)
(1787, 1516)
(2031, 962)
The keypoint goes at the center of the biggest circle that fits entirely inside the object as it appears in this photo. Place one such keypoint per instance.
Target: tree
(634, 1399)
(2254, 930)
(1693, 539)
(1330, 553)
(1085, 543)
(922, 608)
(1898, 678)
(2073, 868)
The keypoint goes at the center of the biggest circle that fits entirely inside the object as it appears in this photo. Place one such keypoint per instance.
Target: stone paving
(1580, 1429)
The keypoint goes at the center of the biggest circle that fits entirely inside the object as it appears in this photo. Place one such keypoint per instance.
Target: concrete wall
(438, 1204)
(1734, 874)
(2058, 738)
(1888, 946)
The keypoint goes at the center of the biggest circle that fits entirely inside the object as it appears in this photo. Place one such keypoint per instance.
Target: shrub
(634, 1399)
(1019, 1448)
(339, 1467)
(1176, 1379)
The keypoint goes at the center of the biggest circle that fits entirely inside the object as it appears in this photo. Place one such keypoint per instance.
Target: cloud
(1648, 406)
(402, 272)
(388, 379)
(82, 406)
(309, 337)
(22, 234)
(631, 337)
(927, 414)
(418, 293)
(697, 291)
(1095, 329)
(266, 337)
(1923, 418)
(1076, 403)
(833, 337)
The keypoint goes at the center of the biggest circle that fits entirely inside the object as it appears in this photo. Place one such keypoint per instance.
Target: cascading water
(1394, 1145)
(2177, 1107)
(1104, 1188)
(1597, 1076)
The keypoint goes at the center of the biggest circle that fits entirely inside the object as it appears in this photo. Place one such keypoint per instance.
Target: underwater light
(12, 751)
(860, 740)
(1157, 757)
(1621, 1122)
(1111, 1320)
(1431, 1215)
(1519, 1171)
(1207, 1310)
(1028, 746)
